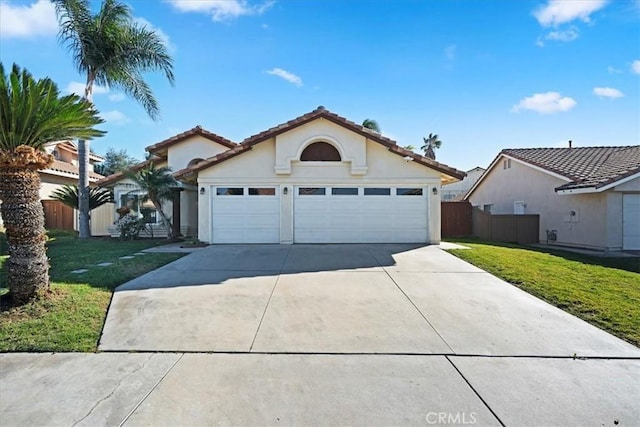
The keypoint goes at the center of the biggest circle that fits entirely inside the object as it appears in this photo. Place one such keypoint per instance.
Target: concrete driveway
(328, 335)
(389, 299)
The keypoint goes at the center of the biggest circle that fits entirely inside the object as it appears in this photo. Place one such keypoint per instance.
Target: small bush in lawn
(129, 227)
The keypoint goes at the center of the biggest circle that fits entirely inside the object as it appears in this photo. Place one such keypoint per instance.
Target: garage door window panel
(312, 191)
(409, 191)
(227, 191)
(262, 191)
(344, 191)
(377, 191)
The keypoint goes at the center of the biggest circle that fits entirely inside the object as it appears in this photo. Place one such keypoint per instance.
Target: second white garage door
(360, 215)
(245, 215)
(630, 222)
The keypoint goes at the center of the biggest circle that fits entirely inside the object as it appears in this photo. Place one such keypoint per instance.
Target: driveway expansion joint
(135, 408)
(475, 391)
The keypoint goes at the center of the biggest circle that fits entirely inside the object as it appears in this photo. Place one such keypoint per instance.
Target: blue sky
(483, 75)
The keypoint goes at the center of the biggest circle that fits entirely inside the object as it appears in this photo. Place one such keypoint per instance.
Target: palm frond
(32, 112)
(68, 194)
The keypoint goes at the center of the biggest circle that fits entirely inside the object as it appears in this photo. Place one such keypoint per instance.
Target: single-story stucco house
(586, 197)
(318, 178)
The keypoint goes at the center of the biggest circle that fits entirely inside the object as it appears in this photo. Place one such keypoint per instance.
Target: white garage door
(360, 215)
(631, 222)
(245, 215)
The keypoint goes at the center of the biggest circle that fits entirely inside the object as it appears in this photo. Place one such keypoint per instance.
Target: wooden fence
(520, 229)
(58, 215)
(455, 219)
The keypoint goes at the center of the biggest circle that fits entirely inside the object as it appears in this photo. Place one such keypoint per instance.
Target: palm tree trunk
(23, 216)
(83, 179)
(163, 217)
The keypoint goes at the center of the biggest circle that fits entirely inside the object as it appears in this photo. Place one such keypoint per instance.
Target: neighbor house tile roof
(586, 167)
(108, 180)
(323, 113)
(69, 168)
(198, 130)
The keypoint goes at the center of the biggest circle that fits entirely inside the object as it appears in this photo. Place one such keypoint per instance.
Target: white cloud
(613, 70)
(557, 12)
(161, 34)
(635, 66)
(450, 52)
(545, 103)
(221, 10)
(607, 92)
(284, 74)
(78, 89)
(35, 19)
(115, 117)
(563, 35)
(116, 97)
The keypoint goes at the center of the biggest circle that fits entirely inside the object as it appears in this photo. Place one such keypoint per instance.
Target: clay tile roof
(119, 175)
(198, 130)
(322, 112)
(225, 155)
(69, 168)
(586, 167)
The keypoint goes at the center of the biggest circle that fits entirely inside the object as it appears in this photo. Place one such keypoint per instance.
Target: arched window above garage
(320, 152)
(194, 162)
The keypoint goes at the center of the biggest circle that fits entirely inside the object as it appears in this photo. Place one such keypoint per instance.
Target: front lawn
(603, 291)
(70, 318)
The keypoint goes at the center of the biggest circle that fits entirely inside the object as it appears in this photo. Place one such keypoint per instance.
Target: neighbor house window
(320, 152)
(487, 208)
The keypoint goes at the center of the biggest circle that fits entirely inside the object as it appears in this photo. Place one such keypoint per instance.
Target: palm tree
(157, 184)
(371, 124)
(68, 194)
(32, 113)
(431, 143)
(113, 51)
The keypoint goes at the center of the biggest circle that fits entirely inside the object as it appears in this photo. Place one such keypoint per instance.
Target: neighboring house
(455, 191)
(319, 178)
(586, 197)
(65, 171)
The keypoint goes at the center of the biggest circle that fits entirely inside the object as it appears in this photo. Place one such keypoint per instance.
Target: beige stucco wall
(196, 147)
(595, 224)
(458, 189)
(375, 165)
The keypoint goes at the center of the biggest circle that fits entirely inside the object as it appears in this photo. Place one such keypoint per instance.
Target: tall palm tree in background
(32, 113)
(112, 51)
(157, 183)
(371, 124)
(431, 143)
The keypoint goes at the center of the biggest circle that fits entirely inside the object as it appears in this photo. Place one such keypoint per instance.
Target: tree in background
(115, 161)
(431, 143)
(157, 184)
(112, 51)
(32, 113)
(371, 124)
(68, 194)
(409, 147)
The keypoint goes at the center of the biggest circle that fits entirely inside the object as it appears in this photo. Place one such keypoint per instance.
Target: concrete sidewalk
(174, 389)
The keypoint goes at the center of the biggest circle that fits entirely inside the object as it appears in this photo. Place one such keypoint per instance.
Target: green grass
(71, 316)
(603, 291)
